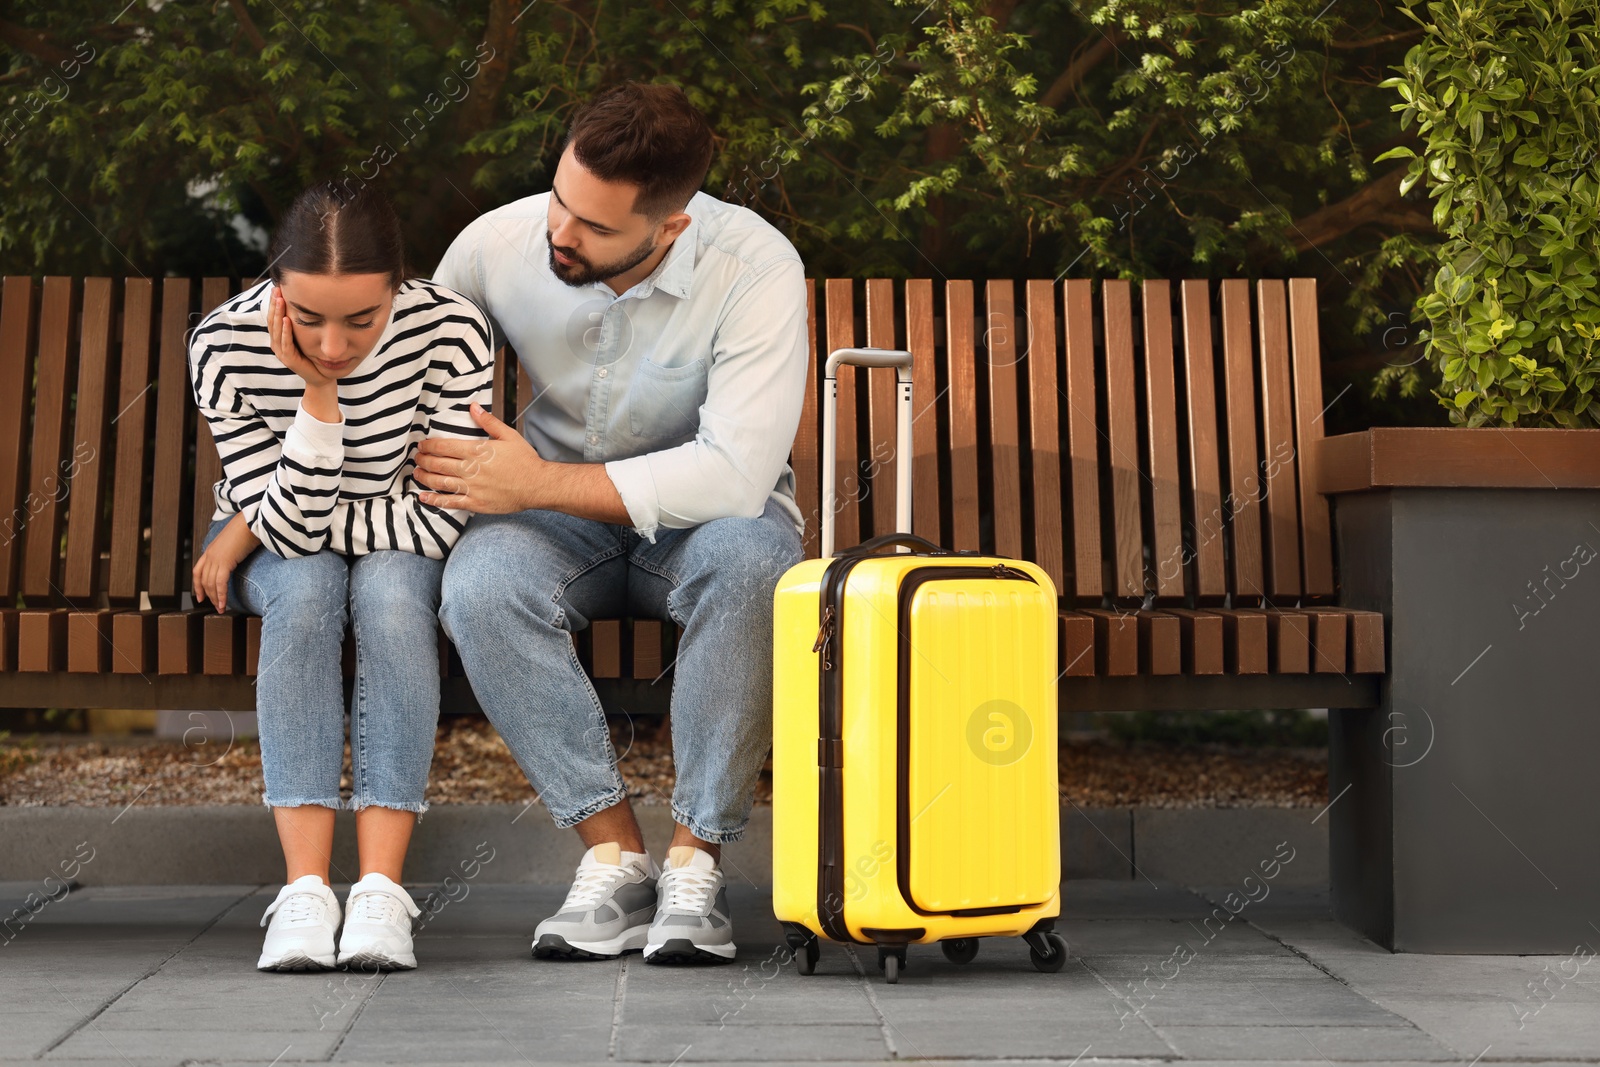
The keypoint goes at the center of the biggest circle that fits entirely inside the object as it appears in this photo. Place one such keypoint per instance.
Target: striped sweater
(306, 485)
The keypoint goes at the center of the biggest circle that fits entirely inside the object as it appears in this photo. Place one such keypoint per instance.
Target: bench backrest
(1151, 439)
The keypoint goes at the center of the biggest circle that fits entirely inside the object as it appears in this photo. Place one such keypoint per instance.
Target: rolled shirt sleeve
(755, 389)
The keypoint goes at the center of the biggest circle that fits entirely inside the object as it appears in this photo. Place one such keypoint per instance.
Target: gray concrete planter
(1465, 816)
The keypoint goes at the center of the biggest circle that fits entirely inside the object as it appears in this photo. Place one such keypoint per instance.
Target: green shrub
(1503, 93)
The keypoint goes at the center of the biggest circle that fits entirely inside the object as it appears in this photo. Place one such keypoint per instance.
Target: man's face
(594, 234)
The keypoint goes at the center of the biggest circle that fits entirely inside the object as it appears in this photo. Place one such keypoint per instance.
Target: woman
(319, 384)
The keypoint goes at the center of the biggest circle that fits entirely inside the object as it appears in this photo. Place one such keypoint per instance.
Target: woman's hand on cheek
(280, 331)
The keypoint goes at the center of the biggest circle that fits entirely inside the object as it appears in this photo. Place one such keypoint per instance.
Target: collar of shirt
(674, 275)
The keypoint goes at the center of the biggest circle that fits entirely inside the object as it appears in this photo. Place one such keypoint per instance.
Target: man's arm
(505, 474)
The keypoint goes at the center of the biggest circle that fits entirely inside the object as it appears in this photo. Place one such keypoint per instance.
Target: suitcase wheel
(960, 949)
(1047, 950)
(891, 961)
(803, 943)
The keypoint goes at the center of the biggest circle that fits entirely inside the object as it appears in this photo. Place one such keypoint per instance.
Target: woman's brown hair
(335, 228)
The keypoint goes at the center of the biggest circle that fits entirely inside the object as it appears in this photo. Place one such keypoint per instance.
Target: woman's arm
(216, 564)
(285, 490)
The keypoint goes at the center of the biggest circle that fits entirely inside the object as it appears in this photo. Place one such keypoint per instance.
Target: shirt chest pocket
(664, 402)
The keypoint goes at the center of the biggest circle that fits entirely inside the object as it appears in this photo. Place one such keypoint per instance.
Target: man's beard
(583, 273)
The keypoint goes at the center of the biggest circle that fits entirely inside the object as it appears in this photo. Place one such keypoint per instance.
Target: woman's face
(337, 318)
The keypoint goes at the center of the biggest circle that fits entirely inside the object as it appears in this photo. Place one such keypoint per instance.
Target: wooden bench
(1152, 447)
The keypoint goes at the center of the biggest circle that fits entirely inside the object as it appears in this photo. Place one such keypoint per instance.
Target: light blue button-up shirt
(687, 387)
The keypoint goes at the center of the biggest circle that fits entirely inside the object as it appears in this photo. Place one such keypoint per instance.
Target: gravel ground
(472, 766)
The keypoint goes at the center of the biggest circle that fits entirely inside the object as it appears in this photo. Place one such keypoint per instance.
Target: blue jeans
(304, 604)
(516, 586)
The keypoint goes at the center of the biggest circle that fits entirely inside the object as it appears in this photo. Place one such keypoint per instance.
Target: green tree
(957, 138)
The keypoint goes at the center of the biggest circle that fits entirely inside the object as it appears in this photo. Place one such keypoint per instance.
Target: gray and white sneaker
(607, 911)
(692, 924)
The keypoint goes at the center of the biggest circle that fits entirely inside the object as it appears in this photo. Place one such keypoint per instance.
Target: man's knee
(740, 561)
(485, 586)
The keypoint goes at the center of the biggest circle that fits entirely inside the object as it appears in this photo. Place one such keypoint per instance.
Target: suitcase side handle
(901, 361)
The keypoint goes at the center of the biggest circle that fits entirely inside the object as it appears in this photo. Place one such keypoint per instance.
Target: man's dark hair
(646, 135)
(334, 228)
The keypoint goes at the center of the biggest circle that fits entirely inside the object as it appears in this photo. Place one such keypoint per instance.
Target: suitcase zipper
(910, 582)
(830, 748)
(830, 745)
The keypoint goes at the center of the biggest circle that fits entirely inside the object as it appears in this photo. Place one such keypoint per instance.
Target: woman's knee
(307, 595)
(395, 588)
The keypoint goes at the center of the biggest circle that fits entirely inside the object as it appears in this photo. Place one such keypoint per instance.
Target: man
(663, 332)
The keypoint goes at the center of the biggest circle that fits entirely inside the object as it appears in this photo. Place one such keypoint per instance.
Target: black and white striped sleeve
(460, 350)
(286, 488)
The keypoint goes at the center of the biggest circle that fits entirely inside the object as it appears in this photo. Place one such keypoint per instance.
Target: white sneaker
(377, 926)
(303, 917)
(607, 911)
(692, 923)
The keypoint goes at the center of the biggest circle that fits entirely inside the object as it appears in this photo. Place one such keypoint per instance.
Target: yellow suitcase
(915, 791)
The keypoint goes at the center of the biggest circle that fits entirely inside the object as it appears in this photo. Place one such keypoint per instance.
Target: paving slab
(148, 975)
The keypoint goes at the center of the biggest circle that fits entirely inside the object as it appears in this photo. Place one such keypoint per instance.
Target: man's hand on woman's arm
(216, 563)
(505, 474)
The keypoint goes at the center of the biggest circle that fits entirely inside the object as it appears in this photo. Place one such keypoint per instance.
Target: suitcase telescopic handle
(866, 357)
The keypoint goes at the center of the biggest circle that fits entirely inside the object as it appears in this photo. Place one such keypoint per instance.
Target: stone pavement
(164, 975)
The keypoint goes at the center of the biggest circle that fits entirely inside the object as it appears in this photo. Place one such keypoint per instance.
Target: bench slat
(1205, 486)
(647, 649)
(223, 642)
(962, 374)
(16, 387)
(1329, 641)
(1161, 435)
(882, 387)
(841, 331)
(804, 457)
(1005, 439)
(605, 648)
(1160, 643)
(8, 639)
(1044, 430)
(132, 421)
(1244, 487)
(1277, 422)
(1077, 645)
(1364, 639)
(172, 413)
(90, 455)
(1202, 641)
(207, 463)
(922, 343)
(42, 537)
(133, 642)
(42, 640)
(1315, 524)
(1116, 641)
(89, 642)
(1082, 440)
(1122, 429)
(1288, 642)
(1244, 640)
(179, 642)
